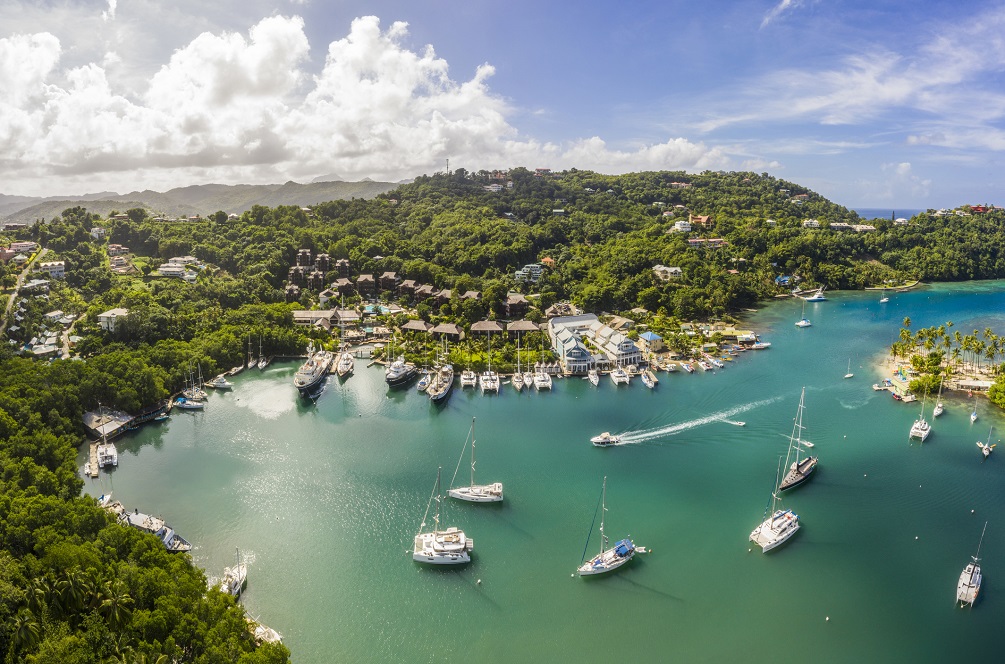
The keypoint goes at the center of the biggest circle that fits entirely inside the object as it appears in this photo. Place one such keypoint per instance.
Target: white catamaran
(970, 579)
(441, 547)
(921, 428)
(474, 493)
(610, 559)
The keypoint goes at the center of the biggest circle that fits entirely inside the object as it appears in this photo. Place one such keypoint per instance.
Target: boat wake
(634, 437)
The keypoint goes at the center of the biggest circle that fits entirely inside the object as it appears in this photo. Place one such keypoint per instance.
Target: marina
(299, 484)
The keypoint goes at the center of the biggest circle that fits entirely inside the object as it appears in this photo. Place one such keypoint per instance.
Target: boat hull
(402, 378)
(799, 475)
(776, 530)
(479, 493)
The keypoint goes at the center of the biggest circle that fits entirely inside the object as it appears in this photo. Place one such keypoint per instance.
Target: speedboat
(605, 439)
(705, 366)
(803, 322)
(816, 297)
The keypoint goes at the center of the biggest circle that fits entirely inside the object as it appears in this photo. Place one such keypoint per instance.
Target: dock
(94, 459)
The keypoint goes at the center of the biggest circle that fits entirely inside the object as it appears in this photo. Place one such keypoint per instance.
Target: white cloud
(896, 183)
(231, 108)
(779, 9)
(109, 14)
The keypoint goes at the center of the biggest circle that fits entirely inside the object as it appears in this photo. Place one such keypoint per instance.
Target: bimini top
(624, 547)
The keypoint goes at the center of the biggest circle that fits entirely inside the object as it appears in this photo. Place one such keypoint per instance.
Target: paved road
(17, 287)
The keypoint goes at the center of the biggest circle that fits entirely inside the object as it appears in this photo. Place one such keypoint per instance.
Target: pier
(94, 459)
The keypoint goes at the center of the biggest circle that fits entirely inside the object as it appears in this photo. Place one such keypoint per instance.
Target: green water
(323, 500)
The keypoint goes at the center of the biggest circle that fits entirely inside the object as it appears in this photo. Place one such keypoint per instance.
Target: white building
(111, 318)
(665, 273)
(682, 226)
(55, 269)
(97, 232)
(530, 272)
(569, 333)
(173, 270)
(23, 246)
(811, 223)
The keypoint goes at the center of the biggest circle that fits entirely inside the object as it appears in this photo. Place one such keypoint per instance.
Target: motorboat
(441, 547)
(969, 585)
(313, 372)
(705, 366)
(475, 493)
(606, 439)
(760, 345)
(816, 297)
(797, 470)
(594, 377)
(609, 559)
(803, 322)
(619, 376)
(688, 367)
(220, 383)
(399, 372)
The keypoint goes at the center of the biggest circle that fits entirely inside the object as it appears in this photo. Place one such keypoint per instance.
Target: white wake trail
(631, 437)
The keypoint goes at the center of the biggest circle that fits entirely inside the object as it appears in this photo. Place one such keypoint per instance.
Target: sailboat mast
(472, 451)
(978, 556)
(436, 516)
(603, 514)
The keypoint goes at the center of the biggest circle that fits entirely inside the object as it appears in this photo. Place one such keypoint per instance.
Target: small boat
(714, 362)
(87, 469)
(594, 377)
(619, 376)
(921, 428)
(885, 385)
(849, 374)
(469, 378)
(162, 418)
(441, 547)
(610, 559)
(648, 379)
(234, 578)
(220, 383)
(518, 381)
(761, 345)
(776, 529)
(969, 585)
(605, 439)
(816, 297)
(908, 398)
(670, 367)
(475, 493)
(986, 448)
(688, 367)
(801, 469)
(973, 414)
(424, 382)
(938, 402)
(186, 404)
(705, 366)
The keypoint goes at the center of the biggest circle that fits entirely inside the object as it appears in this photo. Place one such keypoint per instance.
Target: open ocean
(324, 500)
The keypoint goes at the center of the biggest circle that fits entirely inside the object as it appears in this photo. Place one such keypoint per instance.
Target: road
(17, 287)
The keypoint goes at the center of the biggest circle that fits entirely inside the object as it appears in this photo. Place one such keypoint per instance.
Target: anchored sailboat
(970, 580)
(441, 547)
(776, 529)
(849, 374)
(474, 493)
(610, 559)
(801, 469)
(921, 428)
(938, 401)
(803, 321)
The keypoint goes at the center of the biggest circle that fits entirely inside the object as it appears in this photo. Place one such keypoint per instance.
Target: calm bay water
(324, 500)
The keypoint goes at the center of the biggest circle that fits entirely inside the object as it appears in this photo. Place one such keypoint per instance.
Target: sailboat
(107, 454)
(251, 358)
(475, 493)
(489, 380)
(800, 469)
(884, 299)
(938, 401)
(849, 374)
(234, 578)
(777, 528)
(441, 547)
(594, 377)
(970, 579)
(610, 559)
(262, 360)
(973, 415)
(804, 321)
(921, 428)
(518, 381)
(987, 448)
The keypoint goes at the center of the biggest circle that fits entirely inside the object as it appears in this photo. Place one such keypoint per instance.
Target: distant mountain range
(198, 199)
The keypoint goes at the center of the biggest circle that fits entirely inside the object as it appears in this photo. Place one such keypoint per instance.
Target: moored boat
(800, 469)
(609, 559)
(594, 377)
(171, 540)
(987, 448)
(648, 379)
(443, 383)
(619, 376)
(399, 372)
(187, 404)
(220, 383)
(313, 372)
(475, 493)
(234, 578)
(776, 529)
(969, 585)
(469, 378)
(542, 380)
(441, 547)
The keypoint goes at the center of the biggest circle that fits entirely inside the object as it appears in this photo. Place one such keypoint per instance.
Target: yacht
(475, 493)
(107, 454)
(609, 559)
(220, 383)
(619, 376)
(803, 322)
(345, 362)
(970, 579)
(594, 377)
(606, 439)
(399, 372)
(542, 380)
(800, 469)
(760, 345)
(313, 372)
(171, 540)
(489, 381)
(776, 529)
(518, 381)
(469, 378)
(188, 404)
(816, 297)
(649, 379)
(425, 381)
(938, 403)
(442, 384)
(441, 547)
(234, 578)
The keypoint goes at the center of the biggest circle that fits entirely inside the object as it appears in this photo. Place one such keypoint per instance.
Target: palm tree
(116, 605)
(26, 631)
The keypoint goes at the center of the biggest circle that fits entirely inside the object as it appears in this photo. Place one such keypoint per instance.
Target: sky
(882, 103)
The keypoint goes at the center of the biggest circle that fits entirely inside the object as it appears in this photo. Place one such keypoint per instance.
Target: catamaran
(921, 428)
(610, 559)
(987, 448)
(489, 380)
(474, 493)
(542, 380)
(619, 376)
(469, 378)
(800, 469)
(441, 547)
(776, 529)
(970, 580)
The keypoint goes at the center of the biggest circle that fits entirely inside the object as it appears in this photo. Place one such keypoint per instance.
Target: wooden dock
(94, 459)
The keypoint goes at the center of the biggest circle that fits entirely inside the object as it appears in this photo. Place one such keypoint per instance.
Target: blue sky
(873, 104)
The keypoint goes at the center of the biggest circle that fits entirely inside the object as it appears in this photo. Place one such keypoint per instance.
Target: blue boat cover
(624, 547)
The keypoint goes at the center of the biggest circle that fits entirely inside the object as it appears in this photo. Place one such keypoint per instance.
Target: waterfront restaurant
(617, 349)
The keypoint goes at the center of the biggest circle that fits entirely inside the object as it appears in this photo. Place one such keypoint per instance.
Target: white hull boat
(475, 493)
(969, 585)
(441, 547)
(594, 377)
(609, 559)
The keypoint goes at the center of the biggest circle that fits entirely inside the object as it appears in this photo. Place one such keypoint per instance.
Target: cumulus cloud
(230, 107)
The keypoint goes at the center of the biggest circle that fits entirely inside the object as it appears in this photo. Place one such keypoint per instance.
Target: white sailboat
(884, 299)
(489, 380)
(776, 529)
(518, 381)
(234, 578)
(849, 374)
(973, 414)
(474, 493)
(262, 360)
(800, 469)
(938, 410)
(542, 380)
(610, 559)
(921, 428)
(969, 584)
(441, 547)
(987, 448)
(804, 321)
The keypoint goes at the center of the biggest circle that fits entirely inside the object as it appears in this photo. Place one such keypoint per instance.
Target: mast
(472, 452)
(436, 516)
(796, 436)
(603, 513)
(518, 352)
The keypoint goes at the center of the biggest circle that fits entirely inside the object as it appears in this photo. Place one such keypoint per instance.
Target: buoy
(828, 619)
(572, 576)
(478, 582)
(971, 511)
(915, 537)
(749, 550)
(866, 475)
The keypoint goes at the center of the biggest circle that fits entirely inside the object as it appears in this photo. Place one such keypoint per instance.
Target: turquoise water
(324, 500)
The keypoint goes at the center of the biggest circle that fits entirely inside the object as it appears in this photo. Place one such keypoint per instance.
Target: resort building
(24, 246)
(530, 272)
(569, 335)
(811, 223)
